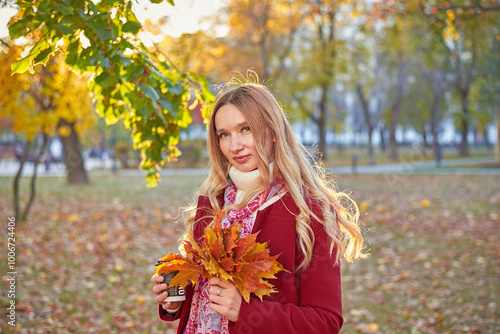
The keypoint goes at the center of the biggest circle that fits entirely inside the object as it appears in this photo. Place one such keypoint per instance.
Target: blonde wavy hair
(305, 183)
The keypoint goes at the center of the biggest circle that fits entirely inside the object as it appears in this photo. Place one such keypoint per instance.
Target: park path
(411, 165)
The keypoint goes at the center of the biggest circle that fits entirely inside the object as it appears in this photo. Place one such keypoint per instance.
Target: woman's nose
(236, 144)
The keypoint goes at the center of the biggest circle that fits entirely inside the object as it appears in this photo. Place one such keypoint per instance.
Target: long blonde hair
(305, 182)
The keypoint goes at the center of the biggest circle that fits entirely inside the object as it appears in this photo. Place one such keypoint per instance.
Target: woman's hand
(160, 296)
(226, 301)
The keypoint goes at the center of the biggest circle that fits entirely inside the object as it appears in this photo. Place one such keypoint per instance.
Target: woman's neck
(243, 180)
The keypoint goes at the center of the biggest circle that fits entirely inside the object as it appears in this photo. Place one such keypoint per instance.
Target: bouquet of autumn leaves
(225, 254)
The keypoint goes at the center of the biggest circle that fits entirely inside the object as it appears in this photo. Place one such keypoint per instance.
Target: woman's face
(236, 139)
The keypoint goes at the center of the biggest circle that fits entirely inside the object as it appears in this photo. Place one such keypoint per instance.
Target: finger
(218, 308)
(157, 289)
(214, 289)
(167, 305)
(219, 282)
(160, 299)
(219, 300)
(157, 279)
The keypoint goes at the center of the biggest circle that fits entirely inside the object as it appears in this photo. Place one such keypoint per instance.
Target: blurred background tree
(384, 74)
(131, 83)
(51, 100)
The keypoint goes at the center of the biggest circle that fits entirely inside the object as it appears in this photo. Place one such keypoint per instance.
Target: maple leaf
(187, 272)
(223, 253)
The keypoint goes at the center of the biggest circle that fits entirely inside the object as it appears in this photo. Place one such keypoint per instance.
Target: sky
(185, 17)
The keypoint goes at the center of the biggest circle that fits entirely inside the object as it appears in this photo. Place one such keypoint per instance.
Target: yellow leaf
(223, 253)
(363, 206)
(73, 218)
(185, 276)
(64, 131)
(425, 203)
(451, 14)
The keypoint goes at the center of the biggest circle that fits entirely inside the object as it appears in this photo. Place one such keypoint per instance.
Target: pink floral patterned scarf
(202, 319)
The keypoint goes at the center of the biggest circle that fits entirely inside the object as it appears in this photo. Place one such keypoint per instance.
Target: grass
(85, 257)
(342, 156)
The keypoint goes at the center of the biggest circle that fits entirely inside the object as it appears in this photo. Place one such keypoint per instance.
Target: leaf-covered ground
(85, 257)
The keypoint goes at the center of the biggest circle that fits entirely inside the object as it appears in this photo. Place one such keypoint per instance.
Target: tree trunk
(73, 155)
(396, 109)
(369, 124)
(17, 179)
(321, 121)
(497, 143)
(486, 137)
(464, 126)
(424, 138)
(33, 178)
(382, 139)
(436, 79)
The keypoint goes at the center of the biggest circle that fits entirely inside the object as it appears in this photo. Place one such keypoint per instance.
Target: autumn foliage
(225, 254)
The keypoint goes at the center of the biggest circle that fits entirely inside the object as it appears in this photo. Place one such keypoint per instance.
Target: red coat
(306, 302)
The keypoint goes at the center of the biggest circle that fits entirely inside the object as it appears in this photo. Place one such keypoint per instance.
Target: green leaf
(167, 105)
(43, 56)
(39, 46)
(72, 53)
(176, 89)
(33, 24)
(18, 29)
(81, 13)
(132, 27)
(24, 4)
(62, 29)
(171, 2)
(104, 79)
(64, 10)
(102, 28)
(133, 74)
(21, 65)
(150, 92)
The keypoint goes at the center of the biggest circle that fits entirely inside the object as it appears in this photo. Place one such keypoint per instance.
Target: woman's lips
(241, 159)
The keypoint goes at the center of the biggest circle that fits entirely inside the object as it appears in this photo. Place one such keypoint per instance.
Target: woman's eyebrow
(237, 125)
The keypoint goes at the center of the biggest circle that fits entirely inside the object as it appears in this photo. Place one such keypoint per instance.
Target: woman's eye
(222, 135)
(245, 129)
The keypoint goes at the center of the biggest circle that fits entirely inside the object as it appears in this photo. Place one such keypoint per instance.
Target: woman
(262, 177)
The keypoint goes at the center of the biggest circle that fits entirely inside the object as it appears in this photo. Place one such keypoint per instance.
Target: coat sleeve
(320, 306)
(183, 314)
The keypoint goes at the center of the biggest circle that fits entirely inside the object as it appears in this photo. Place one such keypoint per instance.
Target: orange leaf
(223, 253)
(186, 276)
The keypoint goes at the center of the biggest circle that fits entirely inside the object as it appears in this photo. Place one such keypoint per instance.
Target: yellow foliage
(426, 203)
(64, 131)
(35, 103)
(451, 15)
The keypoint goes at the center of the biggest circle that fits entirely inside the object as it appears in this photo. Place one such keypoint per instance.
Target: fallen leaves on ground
(84, 256)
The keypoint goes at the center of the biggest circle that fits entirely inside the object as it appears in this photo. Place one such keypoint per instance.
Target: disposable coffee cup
(175, 293)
